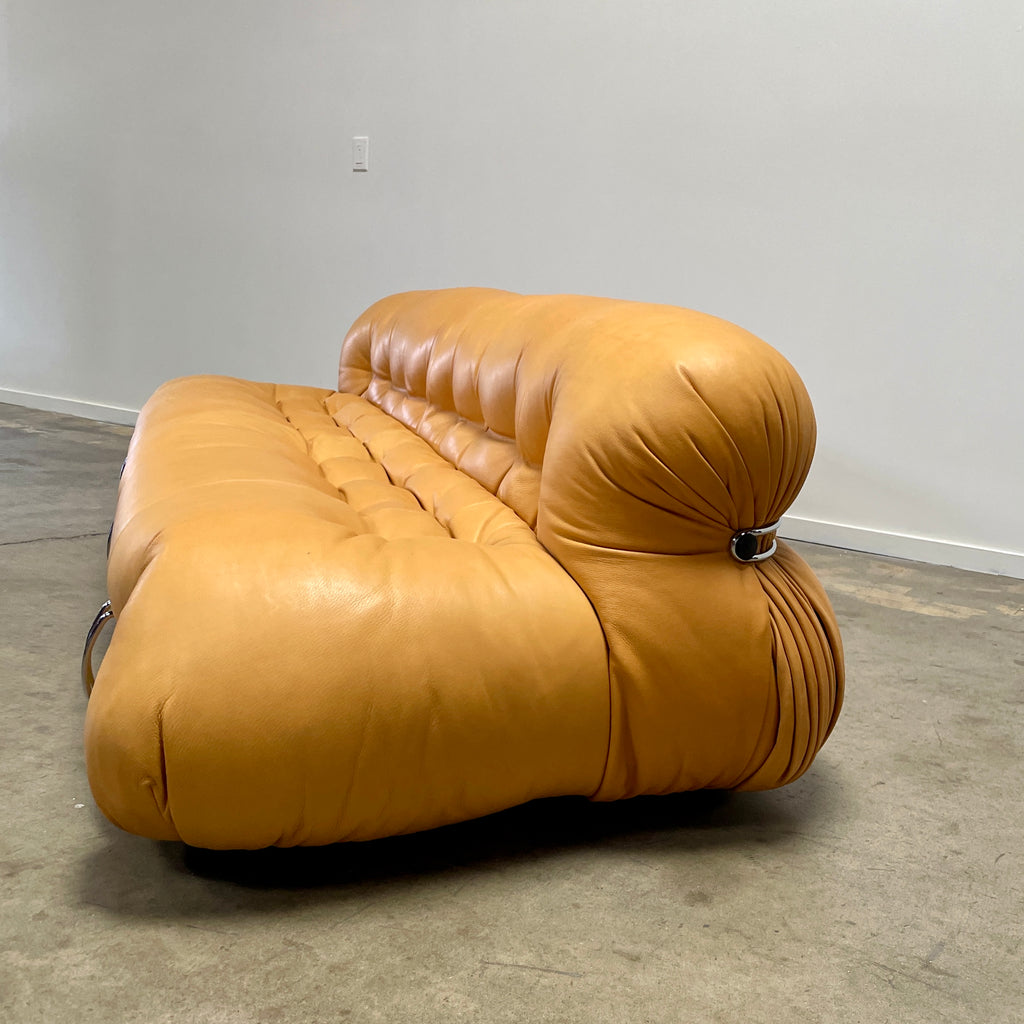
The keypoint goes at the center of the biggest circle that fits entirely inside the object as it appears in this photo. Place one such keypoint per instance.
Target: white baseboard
(918, 549)
(71, 406)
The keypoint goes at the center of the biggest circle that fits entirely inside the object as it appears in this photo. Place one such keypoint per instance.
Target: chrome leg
(88, 679)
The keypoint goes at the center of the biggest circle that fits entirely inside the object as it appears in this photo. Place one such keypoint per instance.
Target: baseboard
(918, 549)
(71, 406)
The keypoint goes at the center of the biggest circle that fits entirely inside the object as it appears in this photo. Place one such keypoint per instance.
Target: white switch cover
(360, 153)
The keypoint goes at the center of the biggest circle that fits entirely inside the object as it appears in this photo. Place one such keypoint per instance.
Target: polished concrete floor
(886, 885)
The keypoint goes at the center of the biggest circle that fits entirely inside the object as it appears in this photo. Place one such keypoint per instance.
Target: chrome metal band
(102, 616)
(755, 544)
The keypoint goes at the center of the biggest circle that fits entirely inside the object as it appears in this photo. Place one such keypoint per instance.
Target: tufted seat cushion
(493, 566)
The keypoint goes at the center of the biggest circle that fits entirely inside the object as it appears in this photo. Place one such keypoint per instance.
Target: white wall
(841, 178)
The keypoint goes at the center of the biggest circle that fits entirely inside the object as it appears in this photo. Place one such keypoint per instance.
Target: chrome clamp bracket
(754, 545)
(102, 617)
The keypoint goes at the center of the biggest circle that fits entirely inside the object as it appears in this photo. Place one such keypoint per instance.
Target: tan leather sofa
(510, 557)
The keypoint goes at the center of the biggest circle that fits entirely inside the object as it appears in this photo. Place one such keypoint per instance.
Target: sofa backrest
(452, 366)
(636, 440)
(660, 415)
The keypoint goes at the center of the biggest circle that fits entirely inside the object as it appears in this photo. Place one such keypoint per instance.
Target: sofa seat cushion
(325, 631)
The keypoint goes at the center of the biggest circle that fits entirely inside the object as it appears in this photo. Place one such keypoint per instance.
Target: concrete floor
(886, 885)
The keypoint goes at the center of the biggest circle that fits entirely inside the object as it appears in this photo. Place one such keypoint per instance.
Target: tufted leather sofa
(510, 557)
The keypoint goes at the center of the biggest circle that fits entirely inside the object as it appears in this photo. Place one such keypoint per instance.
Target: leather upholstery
(493, 566)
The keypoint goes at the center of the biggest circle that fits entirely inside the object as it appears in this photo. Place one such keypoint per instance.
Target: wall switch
(360, 153)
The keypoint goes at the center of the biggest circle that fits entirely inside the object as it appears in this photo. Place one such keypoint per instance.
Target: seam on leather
(163, 808)
(383, 465)
(431, 407)
(309, 449)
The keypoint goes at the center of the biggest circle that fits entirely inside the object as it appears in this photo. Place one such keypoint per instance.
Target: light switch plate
(360, 153)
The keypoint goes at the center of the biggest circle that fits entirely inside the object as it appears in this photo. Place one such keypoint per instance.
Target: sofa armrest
(638, 439)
